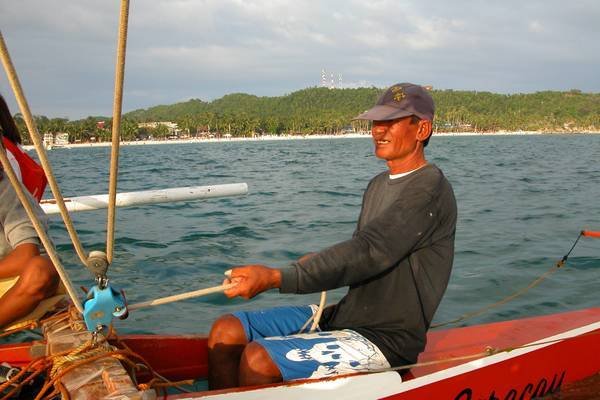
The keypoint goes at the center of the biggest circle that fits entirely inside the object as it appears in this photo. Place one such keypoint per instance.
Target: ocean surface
(522, 201)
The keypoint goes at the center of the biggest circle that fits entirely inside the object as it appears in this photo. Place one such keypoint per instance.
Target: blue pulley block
(102, 305)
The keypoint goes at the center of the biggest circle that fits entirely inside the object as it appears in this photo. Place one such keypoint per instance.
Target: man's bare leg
(226, 343)
(257, 367)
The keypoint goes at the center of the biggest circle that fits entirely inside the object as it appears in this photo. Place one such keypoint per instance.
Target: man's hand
(251, 280)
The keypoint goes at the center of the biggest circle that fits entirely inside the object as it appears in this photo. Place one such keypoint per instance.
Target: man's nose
(378, 130)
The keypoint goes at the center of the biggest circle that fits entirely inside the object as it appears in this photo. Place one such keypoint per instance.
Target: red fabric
(33, 175)
(591, 234)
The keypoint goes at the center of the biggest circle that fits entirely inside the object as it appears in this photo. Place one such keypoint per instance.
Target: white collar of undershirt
(396, 176)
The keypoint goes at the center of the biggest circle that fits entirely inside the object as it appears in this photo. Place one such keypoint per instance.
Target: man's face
(395, 140)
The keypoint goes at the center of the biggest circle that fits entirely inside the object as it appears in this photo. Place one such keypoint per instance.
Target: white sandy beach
(293, 137)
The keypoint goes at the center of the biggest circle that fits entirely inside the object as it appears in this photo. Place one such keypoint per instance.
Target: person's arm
(12, 264)
(379, 245)
(376, 247)
(17, 230)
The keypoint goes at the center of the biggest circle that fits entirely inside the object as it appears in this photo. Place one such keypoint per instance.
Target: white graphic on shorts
(345, 352)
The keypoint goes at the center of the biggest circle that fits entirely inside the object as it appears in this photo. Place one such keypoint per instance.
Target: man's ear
(424, 130)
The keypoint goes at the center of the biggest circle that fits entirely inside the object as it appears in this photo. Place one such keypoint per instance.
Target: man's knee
(257, 367)
(227, 330)
(39, 279)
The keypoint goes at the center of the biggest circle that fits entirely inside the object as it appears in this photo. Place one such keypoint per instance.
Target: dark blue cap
(399, 101)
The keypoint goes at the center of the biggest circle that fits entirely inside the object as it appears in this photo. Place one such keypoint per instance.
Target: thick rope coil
(84, 351)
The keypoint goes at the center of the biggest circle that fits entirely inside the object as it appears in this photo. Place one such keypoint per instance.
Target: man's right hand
(250, 280)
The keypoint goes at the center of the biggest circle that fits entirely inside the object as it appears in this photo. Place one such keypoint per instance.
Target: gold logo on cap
(398, 93)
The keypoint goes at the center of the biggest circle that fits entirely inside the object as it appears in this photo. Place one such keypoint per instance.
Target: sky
(64, 51)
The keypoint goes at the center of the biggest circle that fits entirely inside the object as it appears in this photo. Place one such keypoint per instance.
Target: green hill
(322, 110)
(319, 110)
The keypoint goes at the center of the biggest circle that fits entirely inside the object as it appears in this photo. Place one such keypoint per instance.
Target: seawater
(522, 201)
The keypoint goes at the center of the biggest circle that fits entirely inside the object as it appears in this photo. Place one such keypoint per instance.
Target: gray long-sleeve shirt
(397, 264)
(15, 226)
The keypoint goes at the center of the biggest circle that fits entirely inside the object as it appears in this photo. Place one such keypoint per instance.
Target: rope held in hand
(181, 296)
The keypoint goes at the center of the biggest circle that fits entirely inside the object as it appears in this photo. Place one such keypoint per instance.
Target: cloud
(535, 26)
(206, 49)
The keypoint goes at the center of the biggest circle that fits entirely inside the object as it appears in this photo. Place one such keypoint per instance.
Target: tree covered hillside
(315, 110)
(322, 110)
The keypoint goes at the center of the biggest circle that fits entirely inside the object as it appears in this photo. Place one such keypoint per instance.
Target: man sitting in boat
(20, 259)
(396, 265)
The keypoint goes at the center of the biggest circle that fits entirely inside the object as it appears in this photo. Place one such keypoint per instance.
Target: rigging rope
(319, 312)
(96, 262)
(116, 129)
(316, 317)
(519, 292)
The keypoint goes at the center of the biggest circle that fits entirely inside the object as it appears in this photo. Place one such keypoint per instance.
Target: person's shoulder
(439, 175)
(379, 178)
(427, 173)
(432, 170)
(430, 179)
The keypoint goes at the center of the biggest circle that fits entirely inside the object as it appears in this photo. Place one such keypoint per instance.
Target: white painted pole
(96, 202)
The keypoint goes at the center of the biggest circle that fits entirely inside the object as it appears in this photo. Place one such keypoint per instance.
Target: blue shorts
(308, 355)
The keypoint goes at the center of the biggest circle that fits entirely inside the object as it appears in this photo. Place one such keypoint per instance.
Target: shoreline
(298, 137)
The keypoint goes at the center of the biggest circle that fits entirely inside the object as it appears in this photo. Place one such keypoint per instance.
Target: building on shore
(57, 139)
(172, 127)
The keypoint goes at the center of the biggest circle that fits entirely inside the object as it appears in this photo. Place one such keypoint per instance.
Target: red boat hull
(529, 376)
(523, 373)
(525, 376)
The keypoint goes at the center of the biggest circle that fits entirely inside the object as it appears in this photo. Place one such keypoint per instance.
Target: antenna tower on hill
(328, 79)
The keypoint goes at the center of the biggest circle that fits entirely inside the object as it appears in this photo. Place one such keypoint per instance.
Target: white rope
(319, 312)
(316, 317)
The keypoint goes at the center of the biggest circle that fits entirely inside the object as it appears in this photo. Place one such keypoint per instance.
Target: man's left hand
(251, 280)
